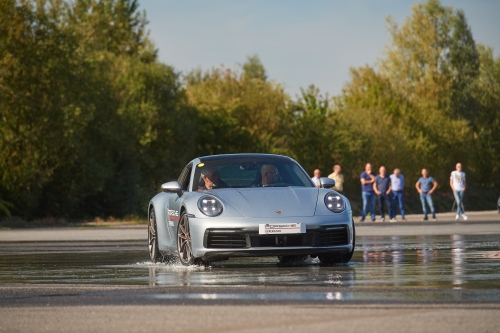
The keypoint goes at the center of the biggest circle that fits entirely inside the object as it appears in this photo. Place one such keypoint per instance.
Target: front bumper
(221, 238)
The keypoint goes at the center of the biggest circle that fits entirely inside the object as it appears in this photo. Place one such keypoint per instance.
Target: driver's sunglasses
(276, 173)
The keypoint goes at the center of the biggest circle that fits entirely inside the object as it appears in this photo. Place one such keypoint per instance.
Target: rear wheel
(328, 259)
(154, 252)
(184, 249)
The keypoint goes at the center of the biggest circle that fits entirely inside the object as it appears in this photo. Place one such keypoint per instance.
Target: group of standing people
(336, 175)
(389, 191)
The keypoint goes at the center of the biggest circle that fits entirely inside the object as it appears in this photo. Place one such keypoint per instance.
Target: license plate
(282, 228)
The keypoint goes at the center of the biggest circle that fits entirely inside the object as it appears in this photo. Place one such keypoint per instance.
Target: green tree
(254, 69)
(486, 152)
(313, 137)
(464, 69)
(238, 111)
(38, 107)
(412, 110)
(89, 116)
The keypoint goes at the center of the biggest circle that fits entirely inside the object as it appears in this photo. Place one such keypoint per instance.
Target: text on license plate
(282, 228)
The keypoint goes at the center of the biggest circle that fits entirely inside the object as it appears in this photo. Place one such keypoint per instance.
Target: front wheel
(328, 259)
(154, 252)
(184, 249)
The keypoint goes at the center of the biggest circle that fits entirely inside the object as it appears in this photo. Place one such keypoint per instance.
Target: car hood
(271, 201)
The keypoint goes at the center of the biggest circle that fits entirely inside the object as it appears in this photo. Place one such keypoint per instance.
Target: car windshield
(249, 173)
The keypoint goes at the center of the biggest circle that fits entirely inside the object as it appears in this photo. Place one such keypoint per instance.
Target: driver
(211, 179)
(270, 174)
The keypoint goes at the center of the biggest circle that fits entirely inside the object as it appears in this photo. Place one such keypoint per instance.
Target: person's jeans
(397, 198)
(459, 197)
(384, 199)
(368, 198)
(427, 197)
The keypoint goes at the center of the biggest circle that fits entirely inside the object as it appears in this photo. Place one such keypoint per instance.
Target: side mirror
(326, 182)
(173, 187)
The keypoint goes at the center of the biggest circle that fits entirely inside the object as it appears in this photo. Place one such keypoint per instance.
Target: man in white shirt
(457, 184)
(317, 176)
(397, 186)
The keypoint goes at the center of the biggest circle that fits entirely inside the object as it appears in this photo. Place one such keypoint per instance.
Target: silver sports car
(249, 205)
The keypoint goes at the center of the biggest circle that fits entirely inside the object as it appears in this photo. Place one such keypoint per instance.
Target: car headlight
(334, 202)
(210, 206)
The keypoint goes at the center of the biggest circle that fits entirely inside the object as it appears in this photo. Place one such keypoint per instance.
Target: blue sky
(299, 42)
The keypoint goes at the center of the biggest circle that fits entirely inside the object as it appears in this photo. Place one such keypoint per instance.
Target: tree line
(92, 122)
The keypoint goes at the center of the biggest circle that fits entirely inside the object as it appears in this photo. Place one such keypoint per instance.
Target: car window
(236, 175)
(247, 173)
(185, 176)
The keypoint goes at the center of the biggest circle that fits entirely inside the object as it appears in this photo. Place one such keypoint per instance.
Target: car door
(173, 209)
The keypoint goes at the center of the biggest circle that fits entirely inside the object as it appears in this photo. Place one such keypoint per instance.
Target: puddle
(456, 262)
(427, 296)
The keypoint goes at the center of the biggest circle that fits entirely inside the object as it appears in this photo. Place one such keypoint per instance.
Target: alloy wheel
(154, 252)
(184, 248)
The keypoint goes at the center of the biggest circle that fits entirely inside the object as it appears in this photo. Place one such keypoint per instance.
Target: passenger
(270, 174)
(211, 179)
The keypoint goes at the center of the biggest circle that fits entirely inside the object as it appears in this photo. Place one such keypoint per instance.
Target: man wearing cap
(211, 179)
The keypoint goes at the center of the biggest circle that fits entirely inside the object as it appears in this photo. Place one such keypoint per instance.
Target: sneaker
(425, 218)
(457, 217)
(464, 217)
(405, 220)
(392, 220)
(434, 219)
(363, 220)
(382, 219)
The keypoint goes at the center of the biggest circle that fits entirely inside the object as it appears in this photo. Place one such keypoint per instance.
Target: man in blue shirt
(367, 178)
(398, 184)
(382, 187)
(425, 186)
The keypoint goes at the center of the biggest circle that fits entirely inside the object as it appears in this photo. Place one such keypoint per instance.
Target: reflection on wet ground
(431, 262)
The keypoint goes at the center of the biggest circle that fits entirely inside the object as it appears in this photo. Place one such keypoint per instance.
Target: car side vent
(338, 236)
(226, 241)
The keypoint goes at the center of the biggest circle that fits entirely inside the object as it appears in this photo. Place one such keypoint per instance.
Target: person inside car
(270, 174)
(211, 179)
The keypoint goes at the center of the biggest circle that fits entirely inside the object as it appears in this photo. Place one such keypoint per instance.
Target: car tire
(328, 259)
(154, 251)
(184, 249)
(292, 260)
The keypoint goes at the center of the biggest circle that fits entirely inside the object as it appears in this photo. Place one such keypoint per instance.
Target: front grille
(333, 236)
(321, 237)
(226, 241)
(273, 240)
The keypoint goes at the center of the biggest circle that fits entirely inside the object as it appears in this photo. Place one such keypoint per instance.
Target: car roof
(242, 156)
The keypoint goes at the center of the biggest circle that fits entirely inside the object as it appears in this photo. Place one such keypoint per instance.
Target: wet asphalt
(394, 267)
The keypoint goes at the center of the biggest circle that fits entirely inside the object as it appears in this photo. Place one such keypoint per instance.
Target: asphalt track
(405, 277)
